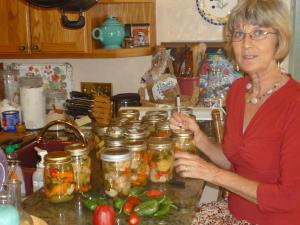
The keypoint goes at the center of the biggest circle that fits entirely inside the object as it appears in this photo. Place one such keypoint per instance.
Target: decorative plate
(215, 11)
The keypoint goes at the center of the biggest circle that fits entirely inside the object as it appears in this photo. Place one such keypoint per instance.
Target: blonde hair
(265, 13)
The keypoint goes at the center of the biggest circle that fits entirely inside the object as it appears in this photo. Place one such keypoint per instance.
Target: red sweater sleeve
(284, 195)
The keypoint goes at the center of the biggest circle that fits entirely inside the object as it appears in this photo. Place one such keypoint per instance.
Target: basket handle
(68, 124)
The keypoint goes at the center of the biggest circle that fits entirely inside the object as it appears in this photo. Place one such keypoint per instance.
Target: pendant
(254, 100)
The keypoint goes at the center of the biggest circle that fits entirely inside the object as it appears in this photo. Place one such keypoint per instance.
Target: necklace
(255, 99)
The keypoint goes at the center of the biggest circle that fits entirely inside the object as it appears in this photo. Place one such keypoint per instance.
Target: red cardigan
(267, 152)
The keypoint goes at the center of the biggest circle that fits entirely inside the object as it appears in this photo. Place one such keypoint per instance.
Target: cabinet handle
(35, 48)
(22, 48)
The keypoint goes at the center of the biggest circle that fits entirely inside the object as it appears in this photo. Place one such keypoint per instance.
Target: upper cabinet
(33, 32)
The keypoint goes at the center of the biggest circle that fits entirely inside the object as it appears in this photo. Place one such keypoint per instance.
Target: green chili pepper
(163, 210)
(147, 208)
(118, 204)
(138, 190)
(93, 195)
(91, 205)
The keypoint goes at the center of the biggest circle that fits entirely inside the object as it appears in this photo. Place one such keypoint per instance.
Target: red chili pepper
(133, 219)
(104, 215)
(53, 172)
(127, 208)
(154, 193)
(133, 200)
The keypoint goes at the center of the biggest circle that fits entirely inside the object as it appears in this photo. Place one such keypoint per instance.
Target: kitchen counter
(73, 212)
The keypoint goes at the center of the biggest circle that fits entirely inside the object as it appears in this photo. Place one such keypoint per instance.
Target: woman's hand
(191, 165)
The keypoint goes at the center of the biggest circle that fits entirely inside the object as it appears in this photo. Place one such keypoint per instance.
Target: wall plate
(96, 88)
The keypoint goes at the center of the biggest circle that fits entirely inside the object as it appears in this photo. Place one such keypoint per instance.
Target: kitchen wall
(177, 20)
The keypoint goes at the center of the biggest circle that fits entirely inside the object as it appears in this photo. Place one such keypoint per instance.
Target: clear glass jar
(58, 177)
(185, 110)
(163, 129)
(183, 141)
(115, 131)
(151, 121)
(116, 169)
(139, 162)
(115, 142)
(11, 85)
(136, 134)
(129, 113)
(81, 162)
(158, 112)
(161, 156)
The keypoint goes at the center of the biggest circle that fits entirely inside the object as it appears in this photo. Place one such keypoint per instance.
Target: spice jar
(116, 163)
(58, 177)
(163, 129)
(183, 141)
(161, 157)
(81, 163)
(139, 162)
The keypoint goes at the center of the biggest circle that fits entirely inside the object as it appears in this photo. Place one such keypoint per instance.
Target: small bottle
(218, 125)
(58, 177)
(38, 174)
(8, 213)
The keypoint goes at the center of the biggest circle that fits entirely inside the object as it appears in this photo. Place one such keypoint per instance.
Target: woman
(259, 160)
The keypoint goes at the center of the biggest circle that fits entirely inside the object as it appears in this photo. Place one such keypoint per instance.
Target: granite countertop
(74, 213)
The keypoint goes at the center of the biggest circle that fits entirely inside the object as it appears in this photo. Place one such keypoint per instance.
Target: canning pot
(67, 6)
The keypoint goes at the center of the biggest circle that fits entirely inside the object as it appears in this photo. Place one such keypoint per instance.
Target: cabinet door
(49, 36)
(14, 29)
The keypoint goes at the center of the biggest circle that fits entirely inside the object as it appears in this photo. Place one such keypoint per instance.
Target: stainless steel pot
(67, 6)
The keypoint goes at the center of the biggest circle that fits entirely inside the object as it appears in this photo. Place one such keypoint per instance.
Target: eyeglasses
(255, 35)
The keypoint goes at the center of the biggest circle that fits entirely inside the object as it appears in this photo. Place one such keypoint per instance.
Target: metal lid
(135, 133)
(115, 154)
(129, 113)
(100, 130)
(115, 142)
(135, 146)
(185, 110)
(158, 112)
(77, 149)
(58, 157)
(115, 131)
(160, 143)
(165, 125)
(153, 118)
(181, 133)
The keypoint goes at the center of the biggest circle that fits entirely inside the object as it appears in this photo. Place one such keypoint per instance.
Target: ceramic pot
(111, 33)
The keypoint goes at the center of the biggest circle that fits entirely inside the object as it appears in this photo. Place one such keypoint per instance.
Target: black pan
(67, 6)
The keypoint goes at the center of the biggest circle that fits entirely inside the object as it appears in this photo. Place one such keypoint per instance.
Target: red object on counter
(104, 215)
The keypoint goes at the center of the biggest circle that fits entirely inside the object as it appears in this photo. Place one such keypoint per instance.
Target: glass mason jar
(151, 121)
(115, 131)
(158, 112)
(129, 113)
(116, 169)
(161, 156)
(81, 162)
(185, 110)
(136, 134)
(163, 129)
(115, 142)
(58, 177)
(139, 162)
(183, 141)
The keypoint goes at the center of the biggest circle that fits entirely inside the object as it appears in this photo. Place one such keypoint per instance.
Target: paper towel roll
(33, 103)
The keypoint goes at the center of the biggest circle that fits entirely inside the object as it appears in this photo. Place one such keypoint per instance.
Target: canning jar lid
(165, 125)
(115, 131)
(135, 133)
(181, 133)
(158, 112)
(77, 149)
(115, 154)
(115, 142)
(135, 146)
(153, 118)
(129, 113)
(58, 157)
(185, 110)
(160, 143)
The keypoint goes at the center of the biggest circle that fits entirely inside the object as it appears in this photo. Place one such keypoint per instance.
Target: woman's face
(255, 56)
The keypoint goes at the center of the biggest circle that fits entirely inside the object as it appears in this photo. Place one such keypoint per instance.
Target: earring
(278, 64)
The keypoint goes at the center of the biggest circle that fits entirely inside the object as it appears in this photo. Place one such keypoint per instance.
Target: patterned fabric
(216, 213)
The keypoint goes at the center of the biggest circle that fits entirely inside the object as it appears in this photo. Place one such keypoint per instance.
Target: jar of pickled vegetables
(139, 162)
(116, 170)
(58, 177)
(115, 131)
(183, 141)
(163, 129)
(81, 163)
(161, 156)
(185, 110)
(115, 142)
(151, 121)
(136, 134)
(158, 112)
(129, 113)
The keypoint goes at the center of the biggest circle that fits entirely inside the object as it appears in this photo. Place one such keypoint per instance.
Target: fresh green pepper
(147, 208)
(91, 205)
(162, 210)
(138, 190)
(118, 204)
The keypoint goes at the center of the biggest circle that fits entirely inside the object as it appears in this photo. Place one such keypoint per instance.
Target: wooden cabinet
(33, 32)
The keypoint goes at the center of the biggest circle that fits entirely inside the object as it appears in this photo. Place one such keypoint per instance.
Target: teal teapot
(111, 33)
